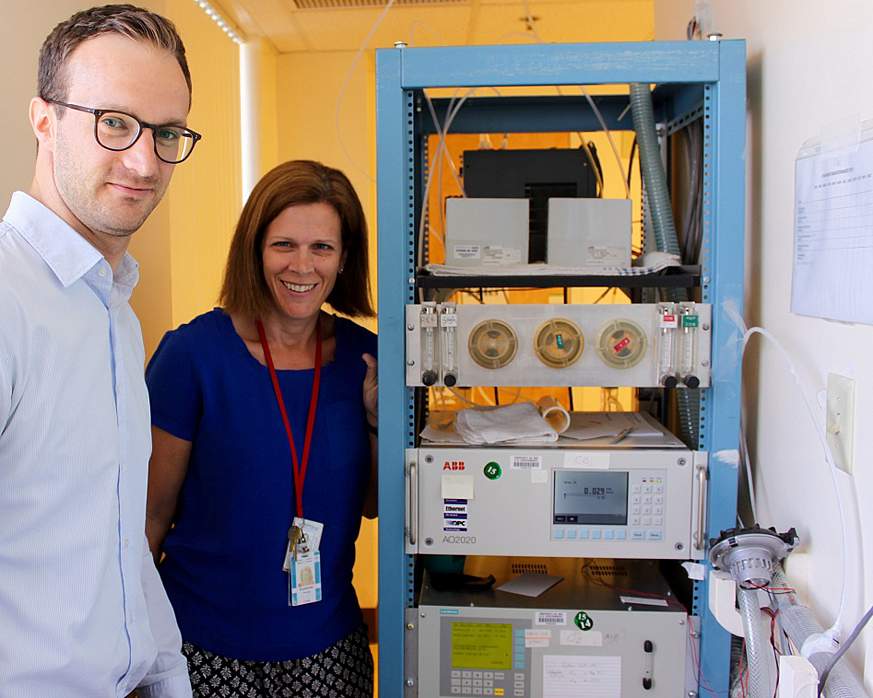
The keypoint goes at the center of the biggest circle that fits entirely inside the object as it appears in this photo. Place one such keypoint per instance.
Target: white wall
(808, 66)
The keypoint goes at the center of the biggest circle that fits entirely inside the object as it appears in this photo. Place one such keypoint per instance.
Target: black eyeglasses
(117, 130)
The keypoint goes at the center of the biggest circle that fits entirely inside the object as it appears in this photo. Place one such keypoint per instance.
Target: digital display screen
(485, 646)
(591, 498)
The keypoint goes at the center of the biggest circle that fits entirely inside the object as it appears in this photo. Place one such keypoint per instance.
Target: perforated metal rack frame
(694, 80)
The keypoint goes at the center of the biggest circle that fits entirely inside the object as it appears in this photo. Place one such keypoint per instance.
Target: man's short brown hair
(245, 291)
(127, 20)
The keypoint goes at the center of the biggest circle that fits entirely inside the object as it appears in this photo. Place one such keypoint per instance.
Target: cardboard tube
(554, 413)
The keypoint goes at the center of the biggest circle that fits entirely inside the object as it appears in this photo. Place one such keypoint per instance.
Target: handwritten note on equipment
(833, 233)
(571, 676)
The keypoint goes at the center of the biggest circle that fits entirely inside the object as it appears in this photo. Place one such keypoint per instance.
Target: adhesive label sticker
(468, 251)
(537, 638)
(526, 463)
(550, 618)
(573, 638)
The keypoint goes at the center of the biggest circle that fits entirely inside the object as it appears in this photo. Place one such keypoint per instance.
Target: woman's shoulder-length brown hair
(244, 290)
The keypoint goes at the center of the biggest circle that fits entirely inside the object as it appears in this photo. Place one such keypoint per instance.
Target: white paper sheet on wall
(568, 676)
(833, 231)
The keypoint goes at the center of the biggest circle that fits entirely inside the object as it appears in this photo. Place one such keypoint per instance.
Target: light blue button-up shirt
(83, 613)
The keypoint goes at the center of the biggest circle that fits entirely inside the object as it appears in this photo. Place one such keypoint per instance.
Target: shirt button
(102, 273)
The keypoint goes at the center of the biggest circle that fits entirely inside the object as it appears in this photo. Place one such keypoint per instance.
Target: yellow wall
(268, 128)
(183, 247)
(327, 113)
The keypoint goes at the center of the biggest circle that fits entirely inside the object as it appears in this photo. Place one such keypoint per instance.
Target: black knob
(450, 379)
(647, 684)
(429, 377)
(691, 381)
(648, 646)
(669, 381)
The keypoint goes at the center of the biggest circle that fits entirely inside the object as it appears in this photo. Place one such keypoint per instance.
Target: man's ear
(43, 121)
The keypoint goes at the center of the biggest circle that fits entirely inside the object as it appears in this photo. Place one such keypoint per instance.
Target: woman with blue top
(264, 456)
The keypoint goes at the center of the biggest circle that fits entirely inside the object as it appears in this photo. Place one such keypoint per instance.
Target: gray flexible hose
(759, 654)
(657, 194)
(660, 210)
(847, 643)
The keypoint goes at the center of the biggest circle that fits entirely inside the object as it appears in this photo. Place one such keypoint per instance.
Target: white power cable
(529, 20)
(611, 140)
(450, 116)
(835, 630)
(747, 463)
(345, 86)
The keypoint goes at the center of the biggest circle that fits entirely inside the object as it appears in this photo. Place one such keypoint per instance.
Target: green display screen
(482, 646)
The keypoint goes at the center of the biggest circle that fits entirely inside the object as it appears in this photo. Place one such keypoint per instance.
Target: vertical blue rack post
(699, 78)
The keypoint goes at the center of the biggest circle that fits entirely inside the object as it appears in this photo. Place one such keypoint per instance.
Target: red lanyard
(299, 466)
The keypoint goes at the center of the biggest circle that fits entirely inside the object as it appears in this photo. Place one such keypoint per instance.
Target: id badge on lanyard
(302, 560)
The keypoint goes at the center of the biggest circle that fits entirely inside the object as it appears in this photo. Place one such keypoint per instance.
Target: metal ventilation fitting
(749, 554)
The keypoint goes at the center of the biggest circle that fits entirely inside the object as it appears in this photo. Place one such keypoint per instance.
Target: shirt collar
(66, 253)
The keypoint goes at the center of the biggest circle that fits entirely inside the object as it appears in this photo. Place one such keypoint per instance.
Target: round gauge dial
(622, 344)
(558, 343)
(492, 344)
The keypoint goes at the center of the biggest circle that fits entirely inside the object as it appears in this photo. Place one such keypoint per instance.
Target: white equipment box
(561, 502)
(590, 234)
(487, 232)
(637, 345)
(588, 636)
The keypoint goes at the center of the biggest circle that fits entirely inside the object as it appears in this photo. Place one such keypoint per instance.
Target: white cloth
(519, 422)
(83, 613)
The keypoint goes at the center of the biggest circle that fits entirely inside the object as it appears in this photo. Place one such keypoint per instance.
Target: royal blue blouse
(223, 565)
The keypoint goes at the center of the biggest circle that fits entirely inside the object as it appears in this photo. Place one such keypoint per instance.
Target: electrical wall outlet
(840, 420)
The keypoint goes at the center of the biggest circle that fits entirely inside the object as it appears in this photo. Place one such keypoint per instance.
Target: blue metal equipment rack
(694, 80)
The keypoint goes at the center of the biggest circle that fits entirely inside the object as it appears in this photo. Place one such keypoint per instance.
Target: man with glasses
(82, 610)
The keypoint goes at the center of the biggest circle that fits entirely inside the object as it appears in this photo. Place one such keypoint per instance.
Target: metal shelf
(674, 277)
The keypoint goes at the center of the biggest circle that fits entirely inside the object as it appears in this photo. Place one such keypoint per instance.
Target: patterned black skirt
(343, 670)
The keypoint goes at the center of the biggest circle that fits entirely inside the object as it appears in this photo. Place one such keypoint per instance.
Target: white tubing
(835, 630)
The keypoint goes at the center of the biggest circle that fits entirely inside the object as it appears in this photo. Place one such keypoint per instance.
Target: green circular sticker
(493, 471)
(583, 621)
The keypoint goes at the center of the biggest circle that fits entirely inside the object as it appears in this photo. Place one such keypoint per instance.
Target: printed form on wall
(833, 227)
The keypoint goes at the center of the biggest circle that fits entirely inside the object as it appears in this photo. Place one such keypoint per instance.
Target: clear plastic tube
(758, 651)
(429, 373)
(688, 348)
(448, 323)
(666, 346)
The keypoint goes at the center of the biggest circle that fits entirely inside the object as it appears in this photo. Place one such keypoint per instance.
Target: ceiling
(342, 25)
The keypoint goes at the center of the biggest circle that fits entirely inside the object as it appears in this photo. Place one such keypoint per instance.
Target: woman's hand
(371, 390)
